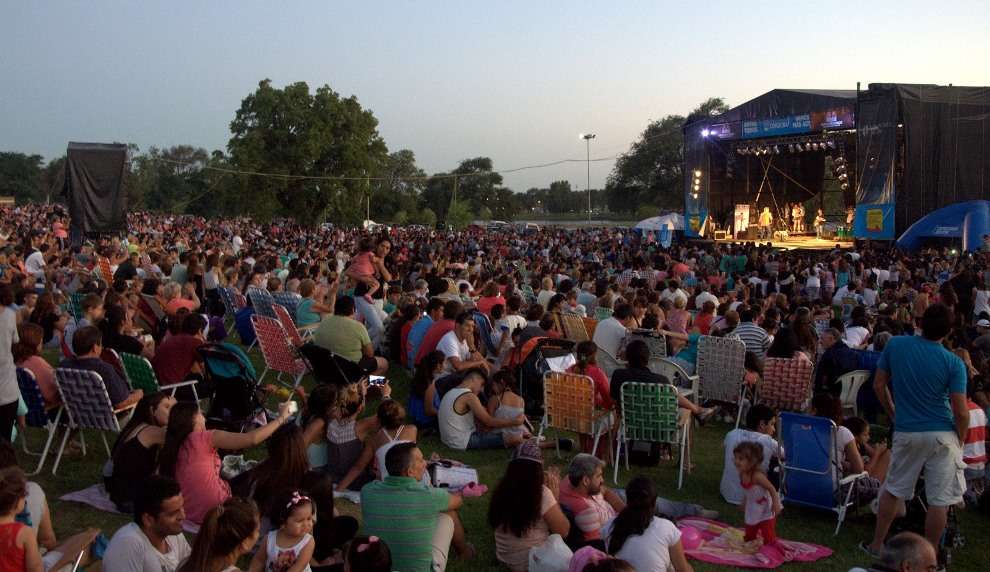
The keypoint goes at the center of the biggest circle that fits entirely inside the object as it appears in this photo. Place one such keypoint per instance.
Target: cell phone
(377, 381)
(293, 408)
(504, 328)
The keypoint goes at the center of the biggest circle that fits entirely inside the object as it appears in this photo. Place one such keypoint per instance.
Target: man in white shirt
(673, 291)
(237, 242)
(154, 541)
(704, 296)
(847, 291)
(761, 422)
(455, 349)
(610, 333)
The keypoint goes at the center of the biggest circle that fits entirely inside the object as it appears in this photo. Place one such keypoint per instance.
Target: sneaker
(705, 414)
(874, 554)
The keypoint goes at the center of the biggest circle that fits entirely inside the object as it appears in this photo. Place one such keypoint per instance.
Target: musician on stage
(819, 223)
(766, 222)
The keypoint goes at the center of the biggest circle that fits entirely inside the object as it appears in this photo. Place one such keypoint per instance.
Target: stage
(800, 242)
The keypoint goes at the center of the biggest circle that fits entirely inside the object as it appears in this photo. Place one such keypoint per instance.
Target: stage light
(843, 177)
(697, 174)
(831, 144)
(844, 186)
(790, 147)
(800, 148)
(705, 133)
(814, 146)
(694, 196)
(776, 150)
(697, 187)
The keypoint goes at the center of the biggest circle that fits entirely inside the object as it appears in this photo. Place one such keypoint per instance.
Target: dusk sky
(515, 81)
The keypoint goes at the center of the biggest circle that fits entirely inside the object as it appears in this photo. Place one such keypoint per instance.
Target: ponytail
(585, 353)
(224, 528)
(641, 495)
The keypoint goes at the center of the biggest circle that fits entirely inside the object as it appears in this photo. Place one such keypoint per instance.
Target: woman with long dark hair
(422, 407)
(524, 510)
(229, 531)
(47, 315)
(283, 468)
(114, 337)
(135, 454)
(190, 455)
(638, 536)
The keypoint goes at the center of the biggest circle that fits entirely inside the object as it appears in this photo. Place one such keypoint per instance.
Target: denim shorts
(489, 440)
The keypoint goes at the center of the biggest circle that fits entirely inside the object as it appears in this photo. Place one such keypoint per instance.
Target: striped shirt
(590, 512)
(757, 339)
(974, 446)
(403, 513)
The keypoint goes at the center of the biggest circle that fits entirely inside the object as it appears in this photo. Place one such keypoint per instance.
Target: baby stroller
(531, 365)
(914, 521)
(236, 399)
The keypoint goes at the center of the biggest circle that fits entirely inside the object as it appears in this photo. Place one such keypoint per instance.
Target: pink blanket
(723, 544)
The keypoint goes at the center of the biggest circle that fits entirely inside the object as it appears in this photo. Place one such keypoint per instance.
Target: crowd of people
(456, 310)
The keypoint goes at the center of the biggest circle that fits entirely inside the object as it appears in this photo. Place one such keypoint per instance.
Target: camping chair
(38, 415)
(810, 473)
(602, 313)
(851, 383)
(279, 353)
(295, 334)
(290, 301)
(105, 272)
(650, 413)
(687, 384)
(142, 376)
(87, 405)
(574, 327)
(720, 371)
(786, 384)
(156, 308)
(328, 367)
(262, 301)
(75, 305)
(569, 404)
(589, 326)
(227, 296)
(486, 333)
(608, 362)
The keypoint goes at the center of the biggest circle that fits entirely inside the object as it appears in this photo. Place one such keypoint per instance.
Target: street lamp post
(587, 140)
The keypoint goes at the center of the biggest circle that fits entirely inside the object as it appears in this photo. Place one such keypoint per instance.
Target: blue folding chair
(811, 475)
(37, 415)
(486, 333)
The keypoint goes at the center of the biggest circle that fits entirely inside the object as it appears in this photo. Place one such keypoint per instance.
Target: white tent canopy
(672, 221)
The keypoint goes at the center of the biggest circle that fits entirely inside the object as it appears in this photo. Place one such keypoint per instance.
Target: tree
(400, 190)
(651, 171)
(293, 132)
(426, 217)
(459, 215)
(478, 185)
(485, 214)
(646, 211)
(20, 176)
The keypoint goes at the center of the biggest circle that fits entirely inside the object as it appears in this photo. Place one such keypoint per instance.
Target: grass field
(702, 486)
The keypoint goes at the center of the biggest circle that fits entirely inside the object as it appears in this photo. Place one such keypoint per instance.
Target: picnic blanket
(723, 544)
(97, 497)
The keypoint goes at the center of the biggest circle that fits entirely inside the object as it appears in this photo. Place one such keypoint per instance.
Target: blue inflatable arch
(969, 221)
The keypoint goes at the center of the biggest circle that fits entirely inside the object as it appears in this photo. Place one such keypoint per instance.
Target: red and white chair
(277, 349)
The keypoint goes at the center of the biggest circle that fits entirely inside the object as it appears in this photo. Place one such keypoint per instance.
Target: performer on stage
(850, 216)
(796, 218)
(801, 222)
(766, 222)
(819, 223)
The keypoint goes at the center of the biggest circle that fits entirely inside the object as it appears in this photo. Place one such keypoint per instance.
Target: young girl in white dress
(289, 546)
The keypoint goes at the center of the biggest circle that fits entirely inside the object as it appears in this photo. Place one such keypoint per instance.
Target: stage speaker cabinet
(751, 233)
(721, 235)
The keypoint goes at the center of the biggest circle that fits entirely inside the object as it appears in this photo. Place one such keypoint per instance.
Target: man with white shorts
(930, 420)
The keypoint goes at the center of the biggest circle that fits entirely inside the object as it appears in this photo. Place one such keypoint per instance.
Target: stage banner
(874, 222)
(789, 125)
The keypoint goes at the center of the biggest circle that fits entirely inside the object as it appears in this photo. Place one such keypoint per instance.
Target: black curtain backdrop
(94, 173)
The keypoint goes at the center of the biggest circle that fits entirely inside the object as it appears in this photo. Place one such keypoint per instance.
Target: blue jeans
(372, 321)
(489, 440)
(686, 365)
(668, 508)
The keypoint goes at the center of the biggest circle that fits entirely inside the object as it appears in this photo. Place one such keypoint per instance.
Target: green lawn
(77, 472)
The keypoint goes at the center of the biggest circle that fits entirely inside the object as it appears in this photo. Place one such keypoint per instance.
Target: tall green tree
(650, 172)
(20, 176)
(400, 188)
(292, 131)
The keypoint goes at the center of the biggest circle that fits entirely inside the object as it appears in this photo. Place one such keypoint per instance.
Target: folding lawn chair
(811, 475)
(279, 353)
(142, 376)
(650, 413)
(38, 415)
(851, 383)
(720, 371)
(602, 313)
(574, 327)
(608, 362)
(786, 384)
(687, 384)
(87, 405)
(569, 405)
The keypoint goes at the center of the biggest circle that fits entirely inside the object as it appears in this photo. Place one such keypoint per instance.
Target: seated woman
(189, 455)
(312, 307)
(876, 457)
(587, 364)
(321, 407)
(135, 454)
(647, 542)
(331, 531)
(786, 345)
(524, 511)
(850, 461)
(283, 468)
(346, 436)
(230, 530)
(37, 515)
(27, 354)
(490, 296)
(422, 393)
(687, 357)
(678, 320)
(393, 430)
(47, 315)
(115, 336)
(177, 359)
(459, 409)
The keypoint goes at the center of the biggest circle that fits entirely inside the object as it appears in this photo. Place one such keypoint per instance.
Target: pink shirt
(362, 265)
(44, 373)
(198, 472)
